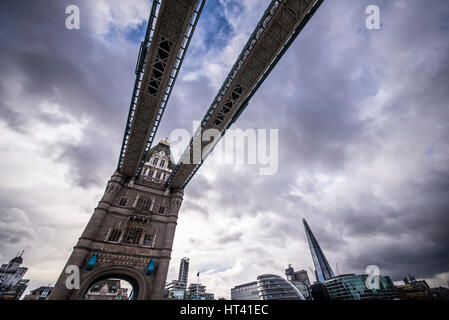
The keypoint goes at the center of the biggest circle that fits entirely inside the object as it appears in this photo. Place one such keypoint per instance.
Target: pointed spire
(323, 271)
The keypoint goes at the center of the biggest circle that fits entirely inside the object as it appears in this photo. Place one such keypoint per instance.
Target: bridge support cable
(277, 29)
(169, 32)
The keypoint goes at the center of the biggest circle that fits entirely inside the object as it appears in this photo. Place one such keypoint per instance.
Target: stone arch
(120, 272)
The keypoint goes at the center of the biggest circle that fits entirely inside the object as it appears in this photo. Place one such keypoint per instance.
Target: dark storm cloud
(15, 228)
(423, 219)
(369, 108)
(322, 130)
(72, 69)
(12, 118)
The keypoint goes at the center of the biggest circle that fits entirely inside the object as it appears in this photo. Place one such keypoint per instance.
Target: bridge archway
(129, 275)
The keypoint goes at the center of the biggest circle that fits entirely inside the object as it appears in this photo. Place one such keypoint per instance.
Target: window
(162, 163)
(132, 235)
(148, 240)
(114, 235)
(158, 175)
(161, 209)
(122, 202)
(155, 161)
(143, 204)
(140, 203)
(146, 205)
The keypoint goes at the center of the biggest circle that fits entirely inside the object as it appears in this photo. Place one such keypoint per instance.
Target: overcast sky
(363, 138)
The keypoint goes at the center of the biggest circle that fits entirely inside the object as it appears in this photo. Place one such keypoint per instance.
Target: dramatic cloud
(362, 117)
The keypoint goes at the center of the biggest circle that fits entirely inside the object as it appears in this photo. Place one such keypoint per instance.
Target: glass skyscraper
(247, 291)
(323, 271)
(300, 279)
(184, 271)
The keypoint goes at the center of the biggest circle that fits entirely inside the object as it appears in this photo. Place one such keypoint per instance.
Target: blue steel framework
(227, 84)
(140, 71)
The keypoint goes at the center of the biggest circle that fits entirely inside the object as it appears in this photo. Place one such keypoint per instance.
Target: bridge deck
(170, 28)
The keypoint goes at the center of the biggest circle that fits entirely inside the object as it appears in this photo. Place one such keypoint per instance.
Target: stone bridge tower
(130, 234)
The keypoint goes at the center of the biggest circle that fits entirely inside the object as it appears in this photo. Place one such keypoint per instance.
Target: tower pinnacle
(323, 271)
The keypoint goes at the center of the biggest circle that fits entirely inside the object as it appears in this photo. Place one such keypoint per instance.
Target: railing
(140, 70)
(179, 59)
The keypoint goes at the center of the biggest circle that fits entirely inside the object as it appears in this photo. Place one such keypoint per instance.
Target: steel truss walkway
(169, 31)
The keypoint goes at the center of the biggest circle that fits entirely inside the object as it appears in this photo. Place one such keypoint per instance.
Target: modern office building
(12, 286)
(323, 271)
(209, 296)
(353, 287)
(344, 287)
(440, 293)
(273, 287)
(197, 291)
(247, 291)
(300, 279)
(413, 289)
(176, 289)
(40, 293)
(303, 288)
(184, 271)
(301, 275)
(318, 292)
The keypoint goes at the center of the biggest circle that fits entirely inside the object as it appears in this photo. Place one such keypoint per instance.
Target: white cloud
(361, 163)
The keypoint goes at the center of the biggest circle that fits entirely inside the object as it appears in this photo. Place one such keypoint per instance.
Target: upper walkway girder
(281, 23)
(170, 28)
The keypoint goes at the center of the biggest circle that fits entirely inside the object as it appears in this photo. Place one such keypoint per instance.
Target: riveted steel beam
(169, 31)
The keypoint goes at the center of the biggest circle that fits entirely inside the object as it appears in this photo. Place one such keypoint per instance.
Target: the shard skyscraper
(323, 271)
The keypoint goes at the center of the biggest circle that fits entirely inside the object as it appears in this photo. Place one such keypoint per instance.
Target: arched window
(155, 161)
(162, 163)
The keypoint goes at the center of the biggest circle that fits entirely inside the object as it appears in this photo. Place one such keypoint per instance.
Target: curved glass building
(273, 287)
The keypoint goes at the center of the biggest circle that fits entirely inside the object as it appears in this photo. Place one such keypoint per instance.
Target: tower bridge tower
(130, 234)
